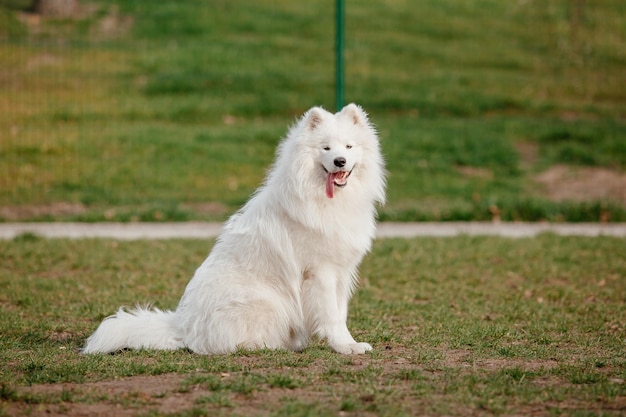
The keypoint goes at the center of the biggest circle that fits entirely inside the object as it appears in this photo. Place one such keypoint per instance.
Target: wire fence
(133, 110)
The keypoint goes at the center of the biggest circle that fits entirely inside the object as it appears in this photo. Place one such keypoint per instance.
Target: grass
(460, 326)
(148, 112)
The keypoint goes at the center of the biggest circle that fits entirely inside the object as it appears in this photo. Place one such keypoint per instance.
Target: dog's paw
(352, 348)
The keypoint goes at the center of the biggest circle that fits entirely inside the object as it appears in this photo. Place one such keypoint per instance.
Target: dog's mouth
(339, 179)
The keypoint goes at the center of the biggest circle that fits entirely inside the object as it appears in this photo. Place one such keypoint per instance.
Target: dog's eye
(327, 148)
(348, 146)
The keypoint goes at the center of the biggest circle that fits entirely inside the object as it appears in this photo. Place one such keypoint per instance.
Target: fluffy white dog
(285, 266)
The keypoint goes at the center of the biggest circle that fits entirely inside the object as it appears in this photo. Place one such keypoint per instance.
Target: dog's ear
(356, 114)
(314, 117)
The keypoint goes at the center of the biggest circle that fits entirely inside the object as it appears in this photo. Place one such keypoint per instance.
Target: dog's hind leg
(249, 325)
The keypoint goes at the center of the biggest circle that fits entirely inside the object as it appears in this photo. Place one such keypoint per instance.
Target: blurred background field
(152, 111)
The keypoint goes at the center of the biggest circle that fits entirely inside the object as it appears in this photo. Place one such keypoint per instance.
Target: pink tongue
(330, 185)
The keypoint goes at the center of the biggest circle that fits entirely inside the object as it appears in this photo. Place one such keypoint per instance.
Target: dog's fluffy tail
(136, 329)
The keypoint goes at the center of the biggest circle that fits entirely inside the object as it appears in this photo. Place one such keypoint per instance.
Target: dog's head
(332, 155)
(338, 142)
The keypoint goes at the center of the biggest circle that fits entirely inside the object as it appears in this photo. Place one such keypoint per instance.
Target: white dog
(285, 265)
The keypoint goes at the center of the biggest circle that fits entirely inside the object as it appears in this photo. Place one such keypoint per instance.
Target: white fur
(285, 265)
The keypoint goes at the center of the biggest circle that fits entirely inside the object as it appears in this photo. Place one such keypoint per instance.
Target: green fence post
(339, 29)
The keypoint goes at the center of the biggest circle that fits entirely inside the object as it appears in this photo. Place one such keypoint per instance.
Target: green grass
(460, 326)
(182, 104)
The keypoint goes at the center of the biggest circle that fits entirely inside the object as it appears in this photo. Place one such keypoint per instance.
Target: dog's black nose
(339, 162)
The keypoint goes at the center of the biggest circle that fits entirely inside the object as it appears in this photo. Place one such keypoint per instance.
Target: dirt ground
(25, 212)
(165, 393)
(563, 182)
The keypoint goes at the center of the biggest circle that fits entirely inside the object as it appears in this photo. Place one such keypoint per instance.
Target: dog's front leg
(324, 313)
